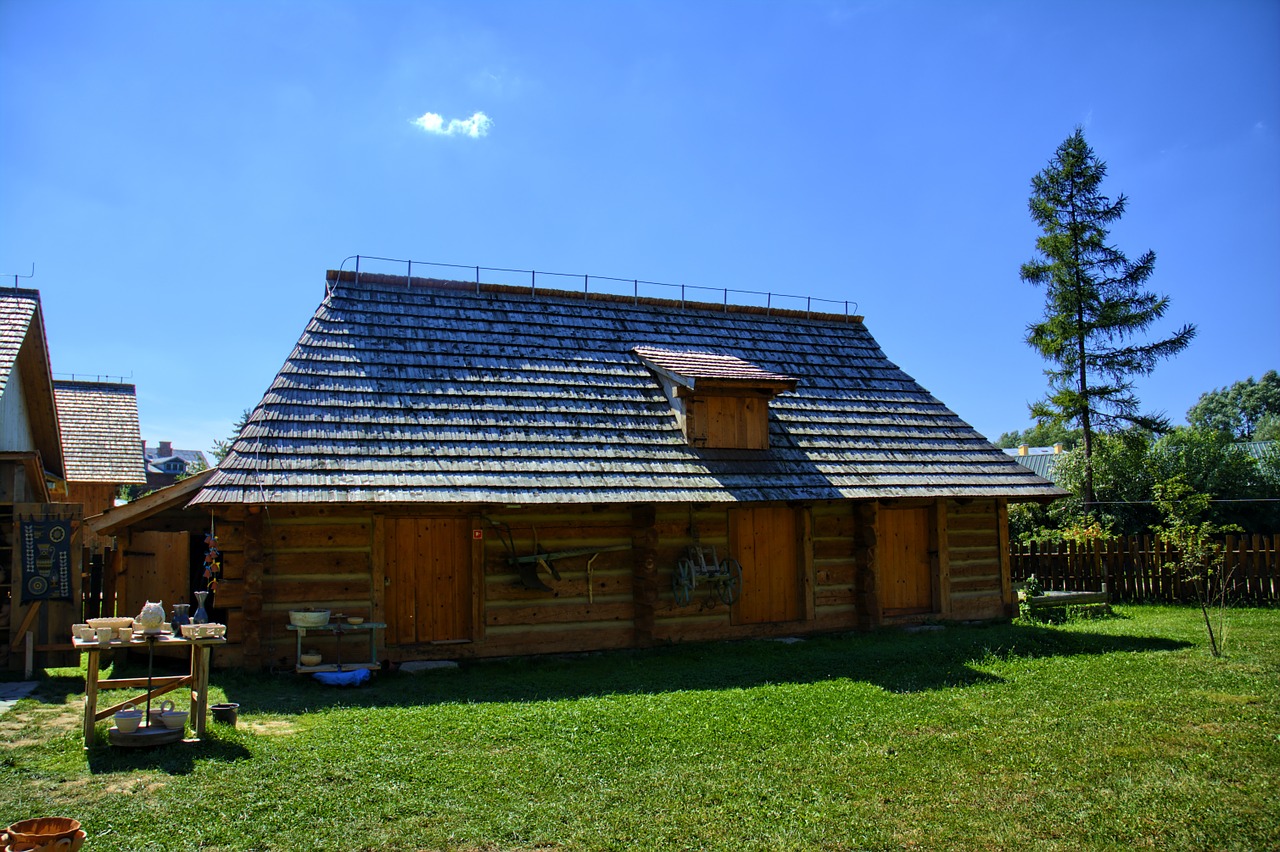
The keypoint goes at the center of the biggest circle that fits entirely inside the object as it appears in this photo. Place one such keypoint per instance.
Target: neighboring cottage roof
(17, 307)
(100, 434)
(436, 393)
(1039, 463)
(1256, 449)
(153, 455)
(24, 357)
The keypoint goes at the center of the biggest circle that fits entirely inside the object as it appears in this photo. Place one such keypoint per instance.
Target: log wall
(283, 559)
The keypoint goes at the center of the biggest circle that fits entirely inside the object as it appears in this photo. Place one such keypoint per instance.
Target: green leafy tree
(1241, 410)
(1122, 479)
(1210, 463)
(1199, 555)
(1268, 428)
(1040, 435)
(1095, 304)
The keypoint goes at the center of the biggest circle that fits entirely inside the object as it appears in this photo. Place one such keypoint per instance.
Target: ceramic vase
(181, 616)
(200, 616)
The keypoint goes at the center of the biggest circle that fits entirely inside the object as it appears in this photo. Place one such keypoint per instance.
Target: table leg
(90, 697)
(199, 688)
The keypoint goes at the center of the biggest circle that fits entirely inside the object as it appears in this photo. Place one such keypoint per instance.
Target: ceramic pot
(128, 719)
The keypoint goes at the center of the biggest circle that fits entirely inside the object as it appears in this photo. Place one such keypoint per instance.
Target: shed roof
(101, 440)
(441, 392)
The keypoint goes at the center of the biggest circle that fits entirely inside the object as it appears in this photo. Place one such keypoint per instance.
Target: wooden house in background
(426, 440)
(101, 443)
(39, 539)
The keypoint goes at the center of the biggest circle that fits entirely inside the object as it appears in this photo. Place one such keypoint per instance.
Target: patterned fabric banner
(46, 560)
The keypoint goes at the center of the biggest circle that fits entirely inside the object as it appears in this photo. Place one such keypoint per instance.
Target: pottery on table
(308, 617)
(151, 619)
(127, 719)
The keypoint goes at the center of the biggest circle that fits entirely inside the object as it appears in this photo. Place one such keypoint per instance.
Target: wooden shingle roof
(691, 366)
(432, 392)
(17, 307)
(25, 376)
(101, 440)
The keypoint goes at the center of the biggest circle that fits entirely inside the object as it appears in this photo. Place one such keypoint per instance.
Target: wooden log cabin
(426, 440)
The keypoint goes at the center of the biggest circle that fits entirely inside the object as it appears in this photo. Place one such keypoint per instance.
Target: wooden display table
(338, 628)
(197, 678)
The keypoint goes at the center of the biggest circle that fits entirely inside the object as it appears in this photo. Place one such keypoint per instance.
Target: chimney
(166, 449)
(1023, 449)
(1057, 448)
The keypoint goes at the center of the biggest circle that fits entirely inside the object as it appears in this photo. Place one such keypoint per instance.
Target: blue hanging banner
(46, 560)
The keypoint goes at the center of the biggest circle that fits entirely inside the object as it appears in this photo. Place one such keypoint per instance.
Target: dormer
(720, 401)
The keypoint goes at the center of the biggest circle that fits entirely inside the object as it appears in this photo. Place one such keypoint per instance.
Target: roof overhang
(174, 496)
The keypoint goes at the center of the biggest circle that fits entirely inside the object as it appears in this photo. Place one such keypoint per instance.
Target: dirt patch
(275, 727)
(39, 724)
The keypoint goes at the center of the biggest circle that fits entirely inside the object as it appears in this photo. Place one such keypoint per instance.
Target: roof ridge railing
(635, 283)
(97, 379)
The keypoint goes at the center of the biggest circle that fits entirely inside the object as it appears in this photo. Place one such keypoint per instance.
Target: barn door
(428, 573)
(764, 540)
(906, 565)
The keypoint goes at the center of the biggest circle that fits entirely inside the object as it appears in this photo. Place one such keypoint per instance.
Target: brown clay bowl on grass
(41, 831)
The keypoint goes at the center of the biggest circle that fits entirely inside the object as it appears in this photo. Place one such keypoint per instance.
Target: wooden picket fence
(1137, 568)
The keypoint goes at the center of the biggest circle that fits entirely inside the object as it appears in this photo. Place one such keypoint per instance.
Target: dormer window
(721, 402)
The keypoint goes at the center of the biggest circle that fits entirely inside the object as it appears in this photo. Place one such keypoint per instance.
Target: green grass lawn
(1115, 733)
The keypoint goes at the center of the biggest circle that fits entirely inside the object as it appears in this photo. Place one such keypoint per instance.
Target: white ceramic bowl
(128, 720)
(115, 622)
(308, 617)
(174, 720)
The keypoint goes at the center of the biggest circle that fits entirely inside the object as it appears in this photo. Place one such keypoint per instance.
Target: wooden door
(428, 572)
(764, 540)
(906, 565)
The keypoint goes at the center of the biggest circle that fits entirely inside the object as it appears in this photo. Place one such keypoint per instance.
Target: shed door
(906, 566)
(763, 539)
(428, 569)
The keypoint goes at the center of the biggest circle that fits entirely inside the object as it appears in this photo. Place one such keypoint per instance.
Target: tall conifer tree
(1095, 304)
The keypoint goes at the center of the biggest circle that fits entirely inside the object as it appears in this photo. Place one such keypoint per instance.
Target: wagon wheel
(682, 583)
(732, 582)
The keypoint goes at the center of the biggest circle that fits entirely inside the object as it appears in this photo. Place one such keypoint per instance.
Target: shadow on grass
(892, 660)
(174, 759)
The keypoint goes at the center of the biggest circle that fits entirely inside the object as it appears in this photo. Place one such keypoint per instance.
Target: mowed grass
(1119, 733)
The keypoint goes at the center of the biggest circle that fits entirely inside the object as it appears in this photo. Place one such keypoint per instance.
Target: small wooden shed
(427, 440)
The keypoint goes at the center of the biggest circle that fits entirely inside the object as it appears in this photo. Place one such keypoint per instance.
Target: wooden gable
(722, 401)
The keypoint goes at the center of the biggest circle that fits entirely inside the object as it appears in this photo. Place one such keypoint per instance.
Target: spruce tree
(1095, 304)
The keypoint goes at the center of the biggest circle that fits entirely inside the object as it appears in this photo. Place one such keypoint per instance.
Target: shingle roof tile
(435, 394)
(101, 440)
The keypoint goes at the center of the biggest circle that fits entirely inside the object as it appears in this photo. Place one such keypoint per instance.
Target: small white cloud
(476, 126)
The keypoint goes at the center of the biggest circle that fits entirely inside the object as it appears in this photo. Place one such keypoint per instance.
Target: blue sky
(182, 174)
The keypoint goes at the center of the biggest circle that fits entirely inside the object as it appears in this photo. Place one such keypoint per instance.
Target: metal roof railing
(611, 287)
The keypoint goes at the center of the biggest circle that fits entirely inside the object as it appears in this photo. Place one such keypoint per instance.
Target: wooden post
(942, 555)
(90, 697)
(808, 582)
(866, 571)
(254, 567)
(644, 571)
(1006, 567)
